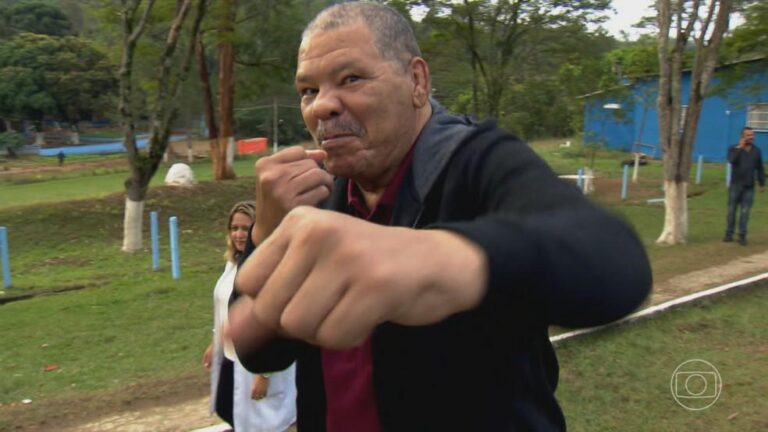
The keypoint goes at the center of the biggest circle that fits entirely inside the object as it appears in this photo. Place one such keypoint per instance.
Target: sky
(625, 14)
(628, 12)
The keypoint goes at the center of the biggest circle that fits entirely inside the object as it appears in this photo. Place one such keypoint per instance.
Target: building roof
(751, 59)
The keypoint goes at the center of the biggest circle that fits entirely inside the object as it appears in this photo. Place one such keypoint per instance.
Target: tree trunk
(675, 213)
(210, 114)
(132, 225)
(677, 138)
(226, 88)
(493, 91)
(473, 56)
(164, 112)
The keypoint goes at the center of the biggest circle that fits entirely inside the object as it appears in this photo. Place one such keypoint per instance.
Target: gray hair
(393, 37)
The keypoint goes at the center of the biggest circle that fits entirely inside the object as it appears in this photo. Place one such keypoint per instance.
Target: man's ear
(419, 72)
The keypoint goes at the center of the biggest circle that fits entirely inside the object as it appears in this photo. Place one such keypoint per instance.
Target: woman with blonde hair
(248, 402)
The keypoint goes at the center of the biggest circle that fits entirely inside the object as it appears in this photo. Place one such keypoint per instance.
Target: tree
(497, 37)
(223, 162)
(679, 21)
(10, 141)
(750, 38)
(43, 75)
(37, 17)
(168, 84)
(210, 113)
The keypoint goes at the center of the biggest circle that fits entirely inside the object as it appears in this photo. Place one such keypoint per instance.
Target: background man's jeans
(742, 196)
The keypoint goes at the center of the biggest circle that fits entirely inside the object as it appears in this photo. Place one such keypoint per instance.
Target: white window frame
(757, 116)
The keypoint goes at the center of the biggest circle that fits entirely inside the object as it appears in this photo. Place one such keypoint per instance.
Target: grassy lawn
(91, 183)
(706, 206)
(130, 326)
(619, 379)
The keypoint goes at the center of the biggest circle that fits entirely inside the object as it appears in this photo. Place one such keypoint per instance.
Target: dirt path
(67, 167)
(184, 416)
(192, 414)
(700, 280)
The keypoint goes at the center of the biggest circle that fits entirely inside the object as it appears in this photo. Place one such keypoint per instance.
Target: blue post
(698, 169)
(155, 241)
(728, 174)
(4, 257)
(624, 182)
(580, 177)
(174, 235)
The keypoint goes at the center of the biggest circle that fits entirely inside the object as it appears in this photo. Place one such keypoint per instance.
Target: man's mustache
(336, 127)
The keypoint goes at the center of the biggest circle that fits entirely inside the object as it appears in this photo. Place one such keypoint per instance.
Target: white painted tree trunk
(230, 152)
(636, 168)
(132, 225)
(676, 213)
(39, 138)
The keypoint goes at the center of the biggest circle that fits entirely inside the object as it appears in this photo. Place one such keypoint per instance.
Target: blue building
(625, 118)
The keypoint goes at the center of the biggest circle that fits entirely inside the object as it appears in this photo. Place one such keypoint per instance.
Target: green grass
(707, 207)
(130, 325)
(96, 182)
(619, 379)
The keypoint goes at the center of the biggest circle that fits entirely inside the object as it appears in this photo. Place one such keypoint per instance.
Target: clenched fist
(330, 279)
(286, 180)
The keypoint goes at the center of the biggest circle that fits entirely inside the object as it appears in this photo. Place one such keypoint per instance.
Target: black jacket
(555, 258)
(744, 166)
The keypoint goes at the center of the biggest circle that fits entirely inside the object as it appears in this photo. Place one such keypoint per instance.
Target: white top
(277, 411)
(221, 295)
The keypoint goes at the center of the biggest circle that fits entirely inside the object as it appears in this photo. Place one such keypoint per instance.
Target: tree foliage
(43, 75)
(522, 62)
(502, 37)
(36, 17)
(751, 38)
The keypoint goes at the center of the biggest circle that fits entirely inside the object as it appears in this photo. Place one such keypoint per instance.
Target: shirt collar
(386, 202)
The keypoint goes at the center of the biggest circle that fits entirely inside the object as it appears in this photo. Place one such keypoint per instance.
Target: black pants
(225, 392)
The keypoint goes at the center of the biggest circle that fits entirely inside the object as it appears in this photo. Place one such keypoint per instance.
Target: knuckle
(263, 164)
(298, 216)
(349, 254)
(292, 324)
(379, 276)
(268, 178)
(266, 315)
(330, 339)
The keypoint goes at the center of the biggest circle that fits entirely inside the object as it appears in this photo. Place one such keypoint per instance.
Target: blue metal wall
(111, 147)
(722, 116)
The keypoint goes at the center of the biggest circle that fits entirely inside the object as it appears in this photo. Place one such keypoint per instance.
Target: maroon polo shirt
(348, 374)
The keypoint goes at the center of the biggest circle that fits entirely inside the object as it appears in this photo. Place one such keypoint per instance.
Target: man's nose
(327, 104)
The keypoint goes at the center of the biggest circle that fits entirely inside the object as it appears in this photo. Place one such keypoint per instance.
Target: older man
(420, 296)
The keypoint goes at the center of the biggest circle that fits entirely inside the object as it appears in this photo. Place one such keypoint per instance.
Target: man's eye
(308, 92)
(351, 79)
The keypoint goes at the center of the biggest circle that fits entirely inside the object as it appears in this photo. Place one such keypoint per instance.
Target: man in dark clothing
(418, 296)
(746, 162)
